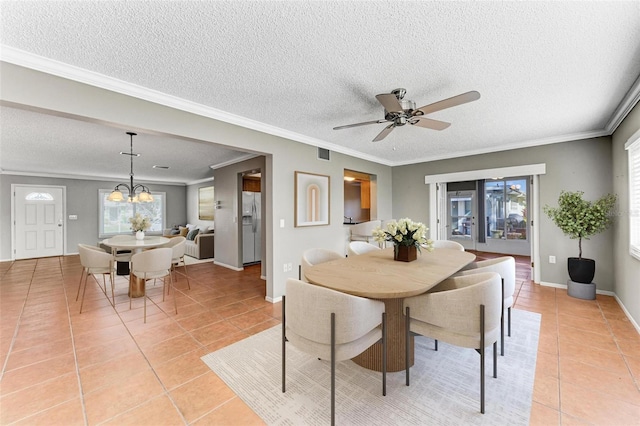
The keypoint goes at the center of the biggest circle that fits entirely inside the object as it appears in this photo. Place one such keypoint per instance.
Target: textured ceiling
(546, 71)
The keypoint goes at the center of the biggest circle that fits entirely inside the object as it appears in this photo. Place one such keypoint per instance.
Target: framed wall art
(205, 203)
(311, 199)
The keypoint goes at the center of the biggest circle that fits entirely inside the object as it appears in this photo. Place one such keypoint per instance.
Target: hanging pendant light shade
(145, 194)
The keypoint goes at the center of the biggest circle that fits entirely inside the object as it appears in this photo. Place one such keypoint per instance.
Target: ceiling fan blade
(389, 102)
(359, 124)
(429, 123)
(448, 103)
(383, 134)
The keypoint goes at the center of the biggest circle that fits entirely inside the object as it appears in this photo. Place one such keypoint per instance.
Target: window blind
(633, 146)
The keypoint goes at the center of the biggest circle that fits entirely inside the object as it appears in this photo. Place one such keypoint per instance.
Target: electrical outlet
(289, 267)
(552, 259)
(284, 268)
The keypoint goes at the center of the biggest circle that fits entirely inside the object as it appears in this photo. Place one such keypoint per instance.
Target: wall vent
(324, 154)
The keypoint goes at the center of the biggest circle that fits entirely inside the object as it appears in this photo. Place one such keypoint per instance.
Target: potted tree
(579, 219)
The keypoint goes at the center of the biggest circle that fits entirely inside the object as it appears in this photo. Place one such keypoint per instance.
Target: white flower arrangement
(404, 232)
(139, 223)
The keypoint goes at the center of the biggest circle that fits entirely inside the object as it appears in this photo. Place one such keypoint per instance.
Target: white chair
(331, 325)
(462, 311)
(447, 244)
(94, 261)
(363, 231)
(315, 256)
(359, 247)
(177, 245)
(152, 264)
(505, 266)
(121, 255)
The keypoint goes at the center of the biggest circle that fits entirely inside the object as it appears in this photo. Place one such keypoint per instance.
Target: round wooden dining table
(136, 286)
(376, 275)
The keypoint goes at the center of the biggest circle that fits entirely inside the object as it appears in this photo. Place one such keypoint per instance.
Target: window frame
(632, 146)
(505, 220)
(103, 193)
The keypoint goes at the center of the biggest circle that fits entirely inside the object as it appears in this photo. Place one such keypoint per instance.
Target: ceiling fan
(400, 111)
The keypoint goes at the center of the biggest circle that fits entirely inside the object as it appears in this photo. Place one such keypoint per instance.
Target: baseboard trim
(627, 313)
(605, 293)
(224, 265)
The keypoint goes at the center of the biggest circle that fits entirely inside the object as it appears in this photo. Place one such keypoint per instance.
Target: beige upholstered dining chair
(331, 325)
(121, 255)
(448, 244)
(316, 256)
(94, 261)
(177, 245)
(359, 247)
(152, 264)
(505, 266)
(462, 311)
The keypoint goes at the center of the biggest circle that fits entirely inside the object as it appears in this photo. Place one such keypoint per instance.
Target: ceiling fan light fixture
(407, 105)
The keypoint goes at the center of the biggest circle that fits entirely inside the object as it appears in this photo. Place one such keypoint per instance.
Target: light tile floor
(105, 366)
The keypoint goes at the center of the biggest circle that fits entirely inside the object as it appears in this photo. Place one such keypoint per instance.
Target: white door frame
(467, 243)
(533, 170)
(13, 215)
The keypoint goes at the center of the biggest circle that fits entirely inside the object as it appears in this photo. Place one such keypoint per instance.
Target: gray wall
(626, 268)
(81, 200)
(228, 185)
(595, 166)
(27, 88)
(579, 165)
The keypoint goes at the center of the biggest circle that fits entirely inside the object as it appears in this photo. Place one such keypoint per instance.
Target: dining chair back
(94, 261)
(153, 264)
(462, 311)
(328, 324)
(360, 247)
(177, 245)
(505, 266)
(316, 256)
(447, 244)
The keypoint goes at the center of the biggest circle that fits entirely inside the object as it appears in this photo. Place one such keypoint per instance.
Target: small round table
(129, 242)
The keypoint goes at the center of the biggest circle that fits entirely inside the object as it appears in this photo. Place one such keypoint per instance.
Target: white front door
(38, 221)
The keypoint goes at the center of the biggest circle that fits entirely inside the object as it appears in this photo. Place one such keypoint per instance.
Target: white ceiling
(546, 71)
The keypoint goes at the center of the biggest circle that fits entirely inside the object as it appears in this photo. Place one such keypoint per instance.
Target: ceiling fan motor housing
(400, 118)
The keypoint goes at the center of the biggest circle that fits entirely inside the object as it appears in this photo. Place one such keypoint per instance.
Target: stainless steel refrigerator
(251, 227)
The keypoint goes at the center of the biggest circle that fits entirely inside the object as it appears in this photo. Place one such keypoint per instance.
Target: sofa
(199, 246)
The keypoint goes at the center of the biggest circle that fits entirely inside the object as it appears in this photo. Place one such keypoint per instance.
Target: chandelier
(143, 197)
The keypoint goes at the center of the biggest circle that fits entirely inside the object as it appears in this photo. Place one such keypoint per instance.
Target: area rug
(445, 385)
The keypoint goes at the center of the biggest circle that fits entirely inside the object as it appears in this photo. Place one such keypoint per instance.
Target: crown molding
(84, 177)
(233, 161)
(60, 69)
(625, 107)
(517, 145)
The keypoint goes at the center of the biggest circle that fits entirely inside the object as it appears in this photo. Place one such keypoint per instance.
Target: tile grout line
(73, 345)
(17, 326)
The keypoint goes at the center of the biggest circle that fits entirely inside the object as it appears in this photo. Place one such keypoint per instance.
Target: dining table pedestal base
(372, 357)
(136, 286)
